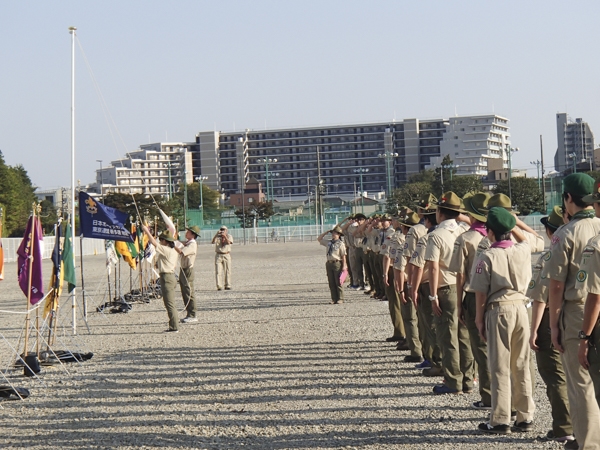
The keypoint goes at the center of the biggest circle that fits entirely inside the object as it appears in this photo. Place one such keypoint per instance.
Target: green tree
(260, 211)
(210, 200)
(408, 195)
(526, 195)
(145, 204)
(16, 198)
(48, 216)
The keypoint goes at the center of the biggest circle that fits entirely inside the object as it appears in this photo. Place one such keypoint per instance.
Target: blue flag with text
(98, 221)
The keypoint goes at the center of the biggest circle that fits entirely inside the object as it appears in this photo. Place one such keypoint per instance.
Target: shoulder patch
(581, 276)
(406, 245)
(531, 284)
(547, 256)
(555, 239)
(415, 254)
(479, 268)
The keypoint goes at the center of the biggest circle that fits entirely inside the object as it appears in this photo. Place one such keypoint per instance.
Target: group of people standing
(466, 304)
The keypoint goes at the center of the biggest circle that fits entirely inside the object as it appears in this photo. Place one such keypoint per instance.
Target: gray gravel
(269, 365)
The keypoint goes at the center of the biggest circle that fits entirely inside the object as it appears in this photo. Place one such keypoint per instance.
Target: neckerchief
(479, 227)
(502, 244)
(584, 214)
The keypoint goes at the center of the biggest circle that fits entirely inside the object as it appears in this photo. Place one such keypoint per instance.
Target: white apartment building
(471, 141)
(154, 168)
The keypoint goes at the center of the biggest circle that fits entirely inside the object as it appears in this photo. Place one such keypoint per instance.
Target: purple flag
(31, 245)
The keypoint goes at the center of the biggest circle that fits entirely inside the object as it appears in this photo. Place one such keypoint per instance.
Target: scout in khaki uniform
(407, 307)
(387, 271)
(360, 233)
(442, 284)
(357, 263)
(463, 256)
(548, 358)
(499, 278)
(566, 305)
(336, 263)
(186, 272)
(419, 293)
(589, 279)
(350, 249)
(166, 260)
(223, 242)
(374, 230)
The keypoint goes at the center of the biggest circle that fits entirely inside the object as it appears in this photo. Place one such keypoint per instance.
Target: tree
(408, 195)
(210, 200)
(17, 196)
(48, 216)
(526, 194)
(463, 184)
(145, 205)
(260, 211)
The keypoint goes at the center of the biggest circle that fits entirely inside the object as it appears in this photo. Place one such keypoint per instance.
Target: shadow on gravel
(261, 396)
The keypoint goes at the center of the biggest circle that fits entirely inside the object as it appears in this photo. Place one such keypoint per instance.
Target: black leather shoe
(394, 339)
(412, 359)
(402, 345)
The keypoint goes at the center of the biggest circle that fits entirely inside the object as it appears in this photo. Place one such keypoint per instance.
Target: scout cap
(579, 184)
(593, 198)
(386, 217)
(194, 229)
(475, 205)
(500, 201)
(450, 201)
(555, 219)
(167, 236)
(500, 221)
(337, 230)
(427, 204)
(359, 216)
(410, 220)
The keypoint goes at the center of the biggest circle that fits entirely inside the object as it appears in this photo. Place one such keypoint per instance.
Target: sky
(150, 71)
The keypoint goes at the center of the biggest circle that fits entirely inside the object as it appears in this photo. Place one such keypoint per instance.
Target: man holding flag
(186, 272)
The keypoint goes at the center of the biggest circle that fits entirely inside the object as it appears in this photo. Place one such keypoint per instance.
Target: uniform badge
(581, 276)
(415, 254)
(547, 256)
(555, 239)
(479, 268)
(531, 284)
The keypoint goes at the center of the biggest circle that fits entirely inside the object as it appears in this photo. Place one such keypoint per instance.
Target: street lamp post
(538, 165)
(442, 168)
(509, 150)
(201, 206)
(360, 172)
(101, 177)
(265, 162)
(573, 156)
(389, 158)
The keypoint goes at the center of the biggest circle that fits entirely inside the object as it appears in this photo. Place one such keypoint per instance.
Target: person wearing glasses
(223, 241)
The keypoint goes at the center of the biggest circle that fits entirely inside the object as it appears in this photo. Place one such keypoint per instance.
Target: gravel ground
(269, 365)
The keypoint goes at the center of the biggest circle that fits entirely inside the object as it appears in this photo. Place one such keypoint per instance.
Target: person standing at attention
(223, 241)
(186, 273)
(166, 260)
(336, 263)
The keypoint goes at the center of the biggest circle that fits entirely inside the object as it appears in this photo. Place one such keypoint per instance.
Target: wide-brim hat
(450, 201)
(475, 205)
(194, 229)
(427, 204)
(410, 220)
(360, 216)
(166, 236)
(500, 201)
(593, 197)
(337, 230)
(386, 217)
(554, 220)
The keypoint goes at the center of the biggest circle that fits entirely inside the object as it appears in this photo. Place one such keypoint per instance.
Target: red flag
(31, 246)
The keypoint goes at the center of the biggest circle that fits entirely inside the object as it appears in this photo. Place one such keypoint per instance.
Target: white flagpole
(74, 296)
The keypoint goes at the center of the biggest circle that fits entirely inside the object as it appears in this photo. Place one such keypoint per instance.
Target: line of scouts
(476, 249)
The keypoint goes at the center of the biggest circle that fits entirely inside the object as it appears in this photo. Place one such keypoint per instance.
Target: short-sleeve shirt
(538, 286)
(503, 274)
(375, 235)
(464, 254)
(483, 245)
(386, 236)
(221, 246)
(188, 254)
(412, 237)
(166, 258)
(396, 249)
(588, 277)
(336, 250)
(418, 258)
(440, 244)
(563, 260)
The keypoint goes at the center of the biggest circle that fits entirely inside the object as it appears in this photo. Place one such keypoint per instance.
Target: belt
(334, 261)
(494, 305)
(223, 253)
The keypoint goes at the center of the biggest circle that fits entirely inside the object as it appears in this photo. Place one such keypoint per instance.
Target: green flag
(67, 258)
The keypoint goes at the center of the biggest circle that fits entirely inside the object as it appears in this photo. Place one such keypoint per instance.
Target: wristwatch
(583, 336)
(433, 298)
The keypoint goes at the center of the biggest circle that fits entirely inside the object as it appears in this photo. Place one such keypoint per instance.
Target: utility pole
(319, 190)
(543, 172)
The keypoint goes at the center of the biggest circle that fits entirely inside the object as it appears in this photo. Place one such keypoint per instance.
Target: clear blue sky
(175, 68)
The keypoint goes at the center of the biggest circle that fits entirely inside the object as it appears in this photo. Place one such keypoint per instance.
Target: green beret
(500, 221)
(579, 184)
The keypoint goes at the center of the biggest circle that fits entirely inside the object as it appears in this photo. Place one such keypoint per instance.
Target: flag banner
(123, 249)
(67, 259)
(56, 280)
(98, 221)
(31, 247)
(171, 227)
(111, 255)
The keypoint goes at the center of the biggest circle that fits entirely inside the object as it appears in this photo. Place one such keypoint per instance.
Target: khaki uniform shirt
(440, 244)
(386, 236)
(396, 249)
(588, 277)
(375, 242)
(223, 248)
(188, 254)
(563, 260)
(336, 250)
(503, 273)
(464, 254)
(418, 258)
(412, 237)
(166, 259)
(539, 284)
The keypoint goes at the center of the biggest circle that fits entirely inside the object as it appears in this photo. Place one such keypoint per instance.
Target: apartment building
(575, 144)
